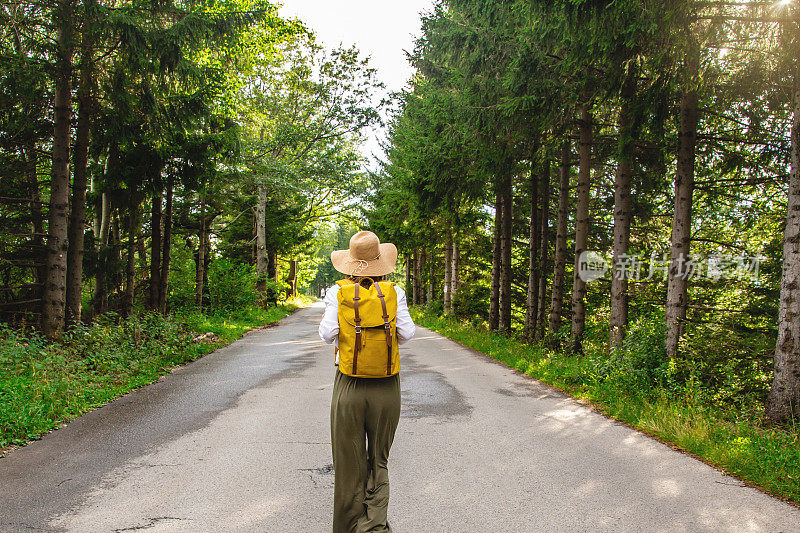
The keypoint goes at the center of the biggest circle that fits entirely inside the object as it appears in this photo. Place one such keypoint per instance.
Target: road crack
(152, 522)
(314, 472)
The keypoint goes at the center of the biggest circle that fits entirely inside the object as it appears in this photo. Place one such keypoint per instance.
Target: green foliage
(44, 384)
(672, 413)
(197, 103)
(329, 238)
(182, 276)
(274, 290)
(472, 301)
(497, 97)
(737, 373)
(231, 286)
(302, 114)
(642, 363)
(436, 307)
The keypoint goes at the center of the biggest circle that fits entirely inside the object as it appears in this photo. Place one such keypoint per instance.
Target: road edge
(599, 409)
(6, 451)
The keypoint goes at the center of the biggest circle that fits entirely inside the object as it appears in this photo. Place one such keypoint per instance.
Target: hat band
(362, 264)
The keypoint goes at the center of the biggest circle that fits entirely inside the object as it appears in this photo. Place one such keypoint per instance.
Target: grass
(45, 384)
(642, 392)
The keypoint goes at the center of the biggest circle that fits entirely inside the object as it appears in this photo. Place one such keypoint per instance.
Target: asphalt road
(239, 441)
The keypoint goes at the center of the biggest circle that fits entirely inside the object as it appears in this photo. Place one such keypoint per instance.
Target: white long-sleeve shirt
(329, 326)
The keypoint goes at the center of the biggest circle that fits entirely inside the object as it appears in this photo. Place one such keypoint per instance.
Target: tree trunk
(560, 260)
(78, 211)
(272, 265)
(431, 285)
(262, 259)
(165, 246)
(411, 281)
(783, 403)
(270, 295)
(115, 244)
(97, 214)
(140, 249)
(424, 290)
(292, 278)
(253, 252)
(155, 246)
(115, 248)
(416, 287)
(55, 287)
(200, 274)
(544, 249)
(505, 270)
(419, 286)
(454, 277)
(494, 295)
(622, 217)
(581, 230)
(130, 264)
(533, 249)
(207, 255)
(100, 297)
(448, 267)
(682, 222)
(37, 222)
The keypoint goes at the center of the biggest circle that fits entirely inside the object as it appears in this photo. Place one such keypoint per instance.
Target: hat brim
(381, 266)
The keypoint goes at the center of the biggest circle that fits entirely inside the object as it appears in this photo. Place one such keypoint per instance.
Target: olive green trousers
(364, 417)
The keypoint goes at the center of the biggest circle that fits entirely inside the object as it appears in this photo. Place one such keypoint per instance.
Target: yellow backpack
(368, 329)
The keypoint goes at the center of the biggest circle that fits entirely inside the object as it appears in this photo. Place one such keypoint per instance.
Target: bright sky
(382, 30)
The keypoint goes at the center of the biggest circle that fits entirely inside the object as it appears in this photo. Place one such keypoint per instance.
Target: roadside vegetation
(558, 169)
(604, 195)
(167, 177)
(685, 406)
(44, 383)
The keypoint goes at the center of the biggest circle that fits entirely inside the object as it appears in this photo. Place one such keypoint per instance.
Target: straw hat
(367, 256)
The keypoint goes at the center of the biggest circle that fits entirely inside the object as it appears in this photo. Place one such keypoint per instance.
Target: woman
(364, 410)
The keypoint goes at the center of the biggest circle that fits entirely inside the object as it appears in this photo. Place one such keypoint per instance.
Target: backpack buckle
(386, 325)
(358, 329)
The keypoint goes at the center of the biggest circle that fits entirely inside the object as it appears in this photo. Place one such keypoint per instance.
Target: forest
(539, 141)
(614, 182)
(141, 142)
(168, 172)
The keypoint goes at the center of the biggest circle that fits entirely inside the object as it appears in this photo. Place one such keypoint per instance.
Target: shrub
(231, 287)
(435, 306)
(273, 290)
(641, 363)
(43, 383)
(471, 300)
(738, 371)
(20, 354)
(182, 276)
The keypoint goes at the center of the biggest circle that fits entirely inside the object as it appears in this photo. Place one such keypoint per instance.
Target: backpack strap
(340, 283)
(357, 347)
(387, 328)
